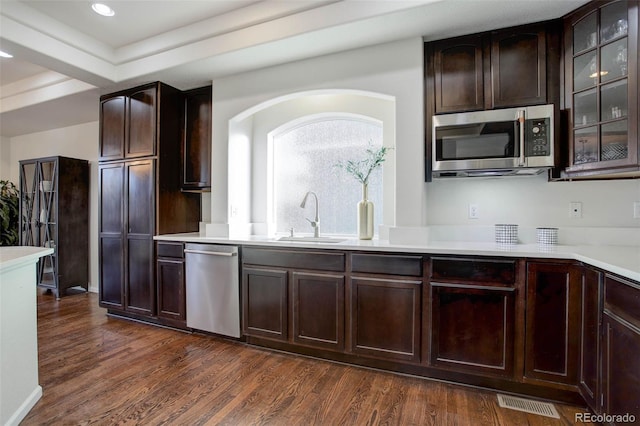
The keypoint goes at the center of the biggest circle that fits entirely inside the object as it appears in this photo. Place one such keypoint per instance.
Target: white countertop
(18, 255)
(620, 260)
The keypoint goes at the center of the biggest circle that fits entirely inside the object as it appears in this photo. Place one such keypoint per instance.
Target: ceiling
(65, 55)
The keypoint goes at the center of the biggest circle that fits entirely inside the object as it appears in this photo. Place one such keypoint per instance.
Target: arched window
(303, 157)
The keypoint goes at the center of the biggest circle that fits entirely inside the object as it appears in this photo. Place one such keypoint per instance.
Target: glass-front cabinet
(601, 80)
(54, 202)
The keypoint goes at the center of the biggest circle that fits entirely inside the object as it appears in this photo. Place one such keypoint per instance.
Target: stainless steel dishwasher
(213, 288)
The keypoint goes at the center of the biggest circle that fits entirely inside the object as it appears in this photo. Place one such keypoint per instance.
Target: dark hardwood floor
(100, 370)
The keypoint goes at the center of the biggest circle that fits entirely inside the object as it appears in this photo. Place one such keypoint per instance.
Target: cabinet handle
(211, 253)
(521, 122)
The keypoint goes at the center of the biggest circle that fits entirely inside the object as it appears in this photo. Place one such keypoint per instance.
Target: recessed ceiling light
(102, 9)
(5, 54)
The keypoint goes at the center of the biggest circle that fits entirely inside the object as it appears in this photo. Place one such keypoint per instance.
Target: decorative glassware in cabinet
(585, 143)
(613, 21)
(585, 34)
(614, 141)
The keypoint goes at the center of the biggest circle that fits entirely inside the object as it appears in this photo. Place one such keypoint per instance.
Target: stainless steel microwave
(512, 141)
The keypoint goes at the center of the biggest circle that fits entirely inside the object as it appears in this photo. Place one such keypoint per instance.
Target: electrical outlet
(575, 210)
(636, 210)
(473, 211)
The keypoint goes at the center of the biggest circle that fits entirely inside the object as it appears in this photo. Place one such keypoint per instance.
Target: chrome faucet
(316, 222)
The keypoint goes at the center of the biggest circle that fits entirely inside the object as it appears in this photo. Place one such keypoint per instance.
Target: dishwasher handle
(211, 253)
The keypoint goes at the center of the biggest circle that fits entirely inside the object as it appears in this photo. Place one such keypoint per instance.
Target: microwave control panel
(537, 138)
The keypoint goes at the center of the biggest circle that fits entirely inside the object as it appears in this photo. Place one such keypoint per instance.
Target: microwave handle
(521, 162)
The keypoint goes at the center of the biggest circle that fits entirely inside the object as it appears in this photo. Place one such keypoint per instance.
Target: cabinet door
(455, 329)
(196, 161)
(620, 366)
(459, 77)
(111, 229)
(519, 67)
(588, 382)
(171, 290)
(385, 318)
(140, 210)
(318, 310)
(552, 322)
(141, 140)
(265, 303)
(112, 128)
(29, 208)
(601, 90)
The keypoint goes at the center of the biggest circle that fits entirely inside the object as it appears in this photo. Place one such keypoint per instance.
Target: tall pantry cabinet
(139, 180)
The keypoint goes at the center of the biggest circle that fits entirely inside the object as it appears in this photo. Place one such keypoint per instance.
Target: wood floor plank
(99, 370)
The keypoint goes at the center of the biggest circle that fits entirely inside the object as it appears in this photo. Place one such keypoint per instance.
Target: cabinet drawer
(299, 259)
(387, 264)
(485, 271)
(622, 297)
(175, 250)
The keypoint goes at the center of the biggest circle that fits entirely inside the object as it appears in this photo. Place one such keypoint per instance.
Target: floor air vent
(528, 406)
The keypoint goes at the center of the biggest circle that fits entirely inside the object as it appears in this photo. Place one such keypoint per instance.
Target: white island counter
(19, 388)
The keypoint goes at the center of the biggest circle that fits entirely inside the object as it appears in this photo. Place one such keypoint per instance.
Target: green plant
(9, 214)
(362, 169)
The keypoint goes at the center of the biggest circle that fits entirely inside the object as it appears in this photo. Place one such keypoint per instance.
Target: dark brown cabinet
(385, 315)
(601, 89)
(318, 309)
(552, 341)
(386, 306)
(54, 213)
(140, 194)
(519, 66)
(265, 303)
(126, 235)
(196, 149)
(462, 290)
(458, 74)
(171, 283)
(504, 68)
(589, 374)
(294, 296)
(620, 347)
(128, 124)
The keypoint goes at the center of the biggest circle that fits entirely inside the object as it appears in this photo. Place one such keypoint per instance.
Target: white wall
(393, 69)
(532, 201)
(79, 141)
(5, 160)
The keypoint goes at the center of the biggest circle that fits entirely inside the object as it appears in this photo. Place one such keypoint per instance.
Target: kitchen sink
(313, 239)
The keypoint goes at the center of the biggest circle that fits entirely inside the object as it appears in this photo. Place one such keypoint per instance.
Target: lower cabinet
(318, 309)
(552, 340)
(265, 312)
(621, 348)
(171, 290)
(294, 296)
(385, 317)
(590, 318)
(473, 305)
(386, 306)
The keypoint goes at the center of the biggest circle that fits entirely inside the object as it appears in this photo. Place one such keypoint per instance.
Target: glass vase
(365, 216)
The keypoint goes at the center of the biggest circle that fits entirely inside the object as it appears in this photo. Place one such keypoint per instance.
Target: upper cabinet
(128, 124)
(196, 148)
(458, 73)
(519, 67)
(504, 68)
(601, 88)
